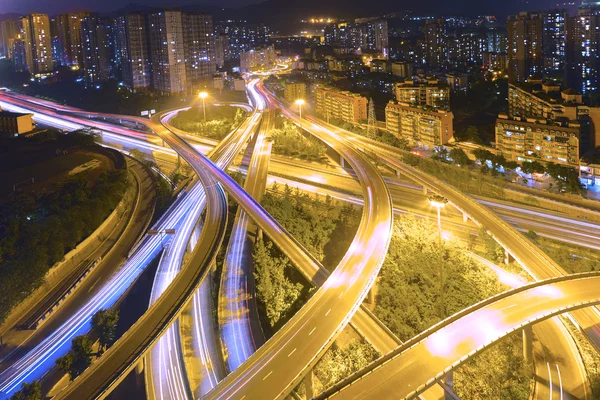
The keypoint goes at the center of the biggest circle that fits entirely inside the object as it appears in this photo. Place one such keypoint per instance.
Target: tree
(275, 291)
(460, 157)
(104, 325)
(138, 155)
(527, 167)
(440, 154)
(29, 391)
(472, 134)
(482, 155)
(538, 167)
(79, 358)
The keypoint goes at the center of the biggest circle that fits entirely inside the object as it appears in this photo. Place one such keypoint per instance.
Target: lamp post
(203, 96)
(440, 202)
(300, 103)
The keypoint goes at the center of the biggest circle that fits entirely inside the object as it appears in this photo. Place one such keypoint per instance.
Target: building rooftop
(11, 114)
(552, 96)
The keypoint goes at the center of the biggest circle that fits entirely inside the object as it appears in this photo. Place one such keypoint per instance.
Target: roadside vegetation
(79, 358)
(498, 373)
(289, 141)
(380, 135)
(324, 226)
(339, 362)
(573, 259)
(219, 121)
(38, 229)
(422, 283)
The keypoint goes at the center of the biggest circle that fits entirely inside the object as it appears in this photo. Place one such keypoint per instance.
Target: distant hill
(281, 13)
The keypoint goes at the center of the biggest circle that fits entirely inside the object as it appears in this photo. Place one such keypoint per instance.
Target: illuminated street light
(203, 96)
(438, 202)
(300, 103)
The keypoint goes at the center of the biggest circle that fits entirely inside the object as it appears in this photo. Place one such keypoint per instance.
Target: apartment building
(520, 139)
(546, 101)
(345, 106)
(260, 58)
(419, 125)
(431, 93)
(167, 51)
(38, 44)
(293, 91)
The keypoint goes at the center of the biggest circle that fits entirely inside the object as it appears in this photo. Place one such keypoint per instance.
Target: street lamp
(300, 103)
(203, 96)
(438, 202)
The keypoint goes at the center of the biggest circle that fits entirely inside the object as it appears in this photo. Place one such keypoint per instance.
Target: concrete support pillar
(398, 175)
(259, 234)
(465, 217)
(507, 257)
(425, 190)
(370, 296)
(139, 367)
(139, 373)
(528, 343)
(342, 162)
(449, 382)
(308, 384)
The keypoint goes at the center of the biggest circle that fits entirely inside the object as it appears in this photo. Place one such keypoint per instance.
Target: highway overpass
(421, 361)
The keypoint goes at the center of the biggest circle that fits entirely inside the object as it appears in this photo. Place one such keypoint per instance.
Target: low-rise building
(520, 139)
(15, 123)
(590, 174)
(345, 106)
(458, 82)
(293, 91)
(434, 94)
(426, 127)
(402, 69)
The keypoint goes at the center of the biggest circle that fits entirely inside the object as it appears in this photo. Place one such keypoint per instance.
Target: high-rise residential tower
(38, 44)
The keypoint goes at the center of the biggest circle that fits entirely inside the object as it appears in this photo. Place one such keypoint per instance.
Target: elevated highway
(420, 362)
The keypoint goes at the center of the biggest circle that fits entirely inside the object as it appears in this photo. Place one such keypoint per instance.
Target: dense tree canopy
(36, 231)
(422, 283)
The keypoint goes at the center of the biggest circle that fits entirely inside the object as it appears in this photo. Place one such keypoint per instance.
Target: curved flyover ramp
(423, 360)
(98, 380)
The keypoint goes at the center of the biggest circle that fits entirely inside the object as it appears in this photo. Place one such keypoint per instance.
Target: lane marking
(549, 379)
(313, 329)
(292, 352)
(559, 382)
(266, 376)
(328, 311)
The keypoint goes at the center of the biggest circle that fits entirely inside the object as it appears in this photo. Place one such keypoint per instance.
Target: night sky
(494, 7)
(62, 6)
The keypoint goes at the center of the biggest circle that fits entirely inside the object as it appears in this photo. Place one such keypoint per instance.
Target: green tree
(137, 154)
(79, 358)
(29, 391)
(460, 157)
(482, 155)
(472, 134)
(274, 290)
(338, 363)
(104, 325)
